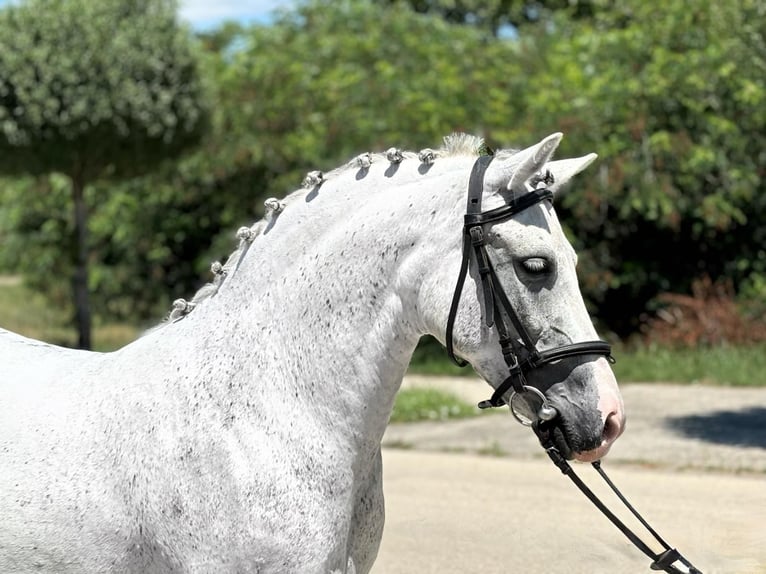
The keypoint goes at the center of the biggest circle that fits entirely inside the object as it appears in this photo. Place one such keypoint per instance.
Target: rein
(661, 561)
(521, 354)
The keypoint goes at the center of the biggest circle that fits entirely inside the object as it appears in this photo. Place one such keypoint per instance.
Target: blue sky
(206, 14)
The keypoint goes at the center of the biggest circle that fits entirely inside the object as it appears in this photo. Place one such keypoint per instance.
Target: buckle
(477, 235)
(666, 560)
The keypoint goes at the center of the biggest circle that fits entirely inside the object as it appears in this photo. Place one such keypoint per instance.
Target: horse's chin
(593, 455)
(558, 438)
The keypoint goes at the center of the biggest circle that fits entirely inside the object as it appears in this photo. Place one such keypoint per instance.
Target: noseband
(520, 354)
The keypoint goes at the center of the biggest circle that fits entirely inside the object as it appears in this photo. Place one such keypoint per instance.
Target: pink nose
(613, 415)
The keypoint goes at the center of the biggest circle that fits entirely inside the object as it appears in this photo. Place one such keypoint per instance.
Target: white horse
(243, 434)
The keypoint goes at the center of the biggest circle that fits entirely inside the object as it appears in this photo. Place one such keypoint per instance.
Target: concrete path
(693, 461)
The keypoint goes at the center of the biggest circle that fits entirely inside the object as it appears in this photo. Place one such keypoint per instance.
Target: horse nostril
(612, 428)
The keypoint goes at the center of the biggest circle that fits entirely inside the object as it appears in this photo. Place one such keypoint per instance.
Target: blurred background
(136, 136)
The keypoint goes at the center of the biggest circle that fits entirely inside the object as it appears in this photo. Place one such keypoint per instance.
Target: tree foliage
(670, 94)
(94, 90)
(311, 96)
(106, 87)
(497, 15)
(675, 111)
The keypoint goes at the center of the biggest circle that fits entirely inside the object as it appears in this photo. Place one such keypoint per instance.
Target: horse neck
(324, 306)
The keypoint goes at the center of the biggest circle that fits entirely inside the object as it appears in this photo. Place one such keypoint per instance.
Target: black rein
(661, 561)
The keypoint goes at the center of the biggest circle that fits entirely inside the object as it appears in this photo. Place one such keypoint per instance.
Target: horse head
(521, 295)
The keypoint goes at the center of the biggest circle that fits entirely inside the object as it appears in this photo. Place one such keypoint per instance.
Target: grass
(413, 405)
(438, 366)
(27, 313)
(723, 365)
(493, 449)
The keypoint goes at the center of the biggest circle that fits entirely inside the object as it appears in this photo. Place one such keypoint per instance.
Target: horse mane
(456, 144)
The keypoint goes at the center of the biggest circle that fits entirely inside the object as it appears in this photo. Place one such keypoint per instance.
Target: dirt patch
(10, 280)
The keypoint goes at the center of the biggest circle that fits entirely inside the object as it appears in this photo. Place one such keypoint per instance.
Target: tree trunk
(81, 295)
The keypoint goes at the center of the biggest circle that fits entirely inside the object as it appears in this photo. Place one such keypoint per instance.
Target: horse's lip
(551, 434)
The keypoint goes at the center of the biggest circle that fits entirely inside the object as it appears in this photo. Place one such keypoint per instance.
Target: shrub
(710, 315)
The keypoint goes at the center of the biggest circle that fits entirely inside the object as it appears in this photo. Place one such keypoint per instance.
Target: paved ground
(693, 460)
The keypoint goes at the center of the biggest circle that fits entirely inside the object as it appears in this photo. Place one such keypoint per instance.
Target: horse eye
(535, 265)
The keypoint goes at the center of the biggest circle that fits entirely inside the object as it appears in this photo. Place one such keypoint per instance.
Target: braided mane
(456, 144)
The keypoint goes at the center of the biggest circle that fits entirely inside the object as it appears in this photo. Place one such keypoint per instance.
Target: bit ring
(545, 412)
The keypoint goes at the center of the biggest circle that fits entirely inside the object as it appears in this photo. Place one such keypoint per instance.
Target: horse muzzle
(578, 432)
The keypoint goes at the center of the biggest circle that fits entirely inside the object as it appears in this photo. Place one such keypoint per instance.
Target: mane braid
(456, 144)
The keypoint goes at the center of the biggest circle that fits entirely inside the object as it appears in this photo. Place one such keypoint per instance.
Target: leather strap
(588, 348)
(505, 211)
(475, 191)
(662, 561)
(550, 356)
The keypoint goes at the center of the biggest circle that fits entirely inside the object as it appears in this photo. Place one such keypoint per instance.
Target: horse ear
(564, 169)
(512, 171)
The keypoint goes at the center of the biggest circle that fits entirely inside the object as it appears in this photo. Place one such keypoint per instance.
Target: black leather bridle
(521, 354)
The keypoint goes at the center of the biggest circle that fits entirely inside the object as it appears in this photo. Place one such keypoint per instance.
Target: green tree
(494, 15)
(671, 95)
(330, 80)
(95, 91)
